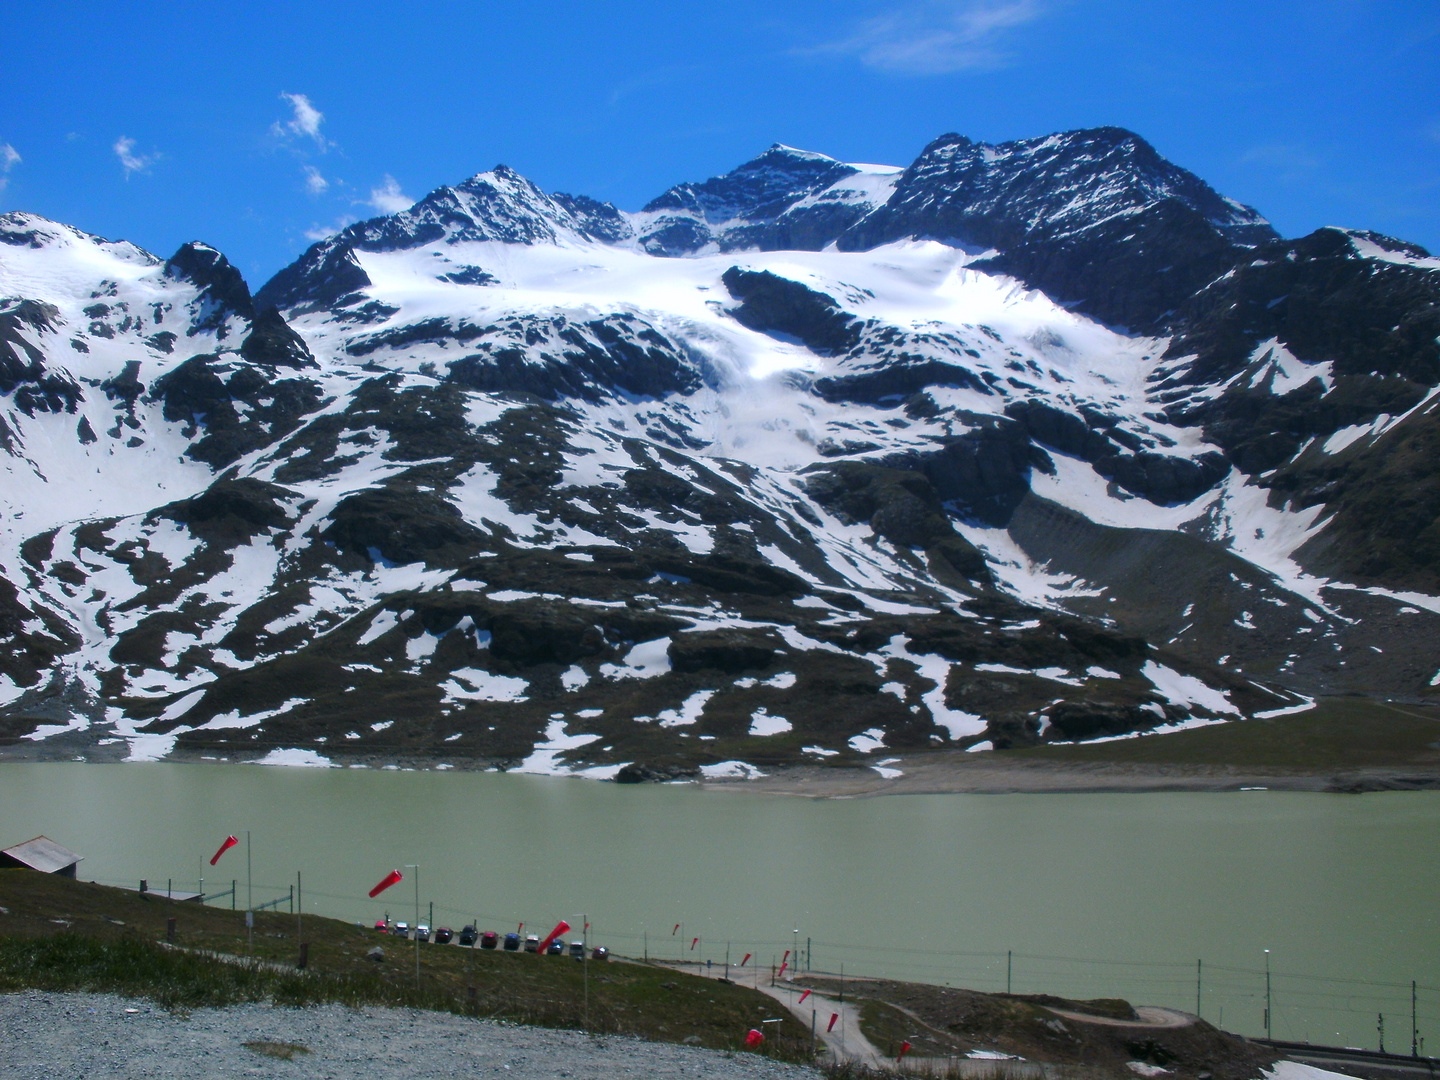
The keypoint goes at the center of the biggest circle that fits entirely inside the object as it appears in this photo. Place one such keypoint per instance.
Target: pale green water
(1097, 895)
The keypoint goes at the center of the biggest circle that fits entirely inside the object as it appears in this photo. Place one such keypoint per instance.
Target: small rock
(377, 954)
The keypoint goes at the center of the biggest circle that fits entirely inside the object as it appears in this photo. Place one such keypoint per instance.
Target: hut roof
(42, 854)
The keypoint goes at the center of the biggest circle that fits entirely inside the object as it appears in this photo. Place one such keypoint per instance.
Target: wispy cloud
(315, 184)
(937, 37)
(129, 160)
(9, 158)
(388, 198)
(304, 124)
(324, 232)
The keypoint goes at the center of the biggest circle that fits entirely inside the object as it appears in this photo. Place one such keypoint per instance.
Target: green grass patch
(282, 1050)
(63, 935)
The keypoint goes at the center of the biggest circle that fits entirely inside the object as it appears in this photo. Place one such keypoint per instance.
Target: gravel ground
(69, 1036)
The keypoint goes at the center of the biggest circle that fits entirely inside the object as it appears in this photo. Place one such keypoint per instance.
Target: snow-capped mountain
(809, 462)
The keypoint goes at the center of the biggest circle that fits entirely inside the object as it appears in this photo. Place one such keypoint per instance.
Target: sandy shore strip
(950, 773)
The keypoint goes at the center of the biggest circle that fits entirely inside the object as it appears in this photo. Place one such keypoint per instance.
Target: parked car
(443, 934)
(577, 950)
(532, 943)
(403, 929)
(382, 926)
(557, 948)
(422, 932)
(512, 942)
(600, 952)
(467, 935)
(489, 939)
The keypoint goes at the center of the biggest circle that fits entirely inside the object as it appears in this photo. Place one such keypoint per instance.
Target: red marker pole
(228, 843)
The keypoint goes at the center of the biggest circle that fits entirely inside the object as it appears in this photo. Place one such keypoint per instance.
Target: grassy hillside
(57, 934)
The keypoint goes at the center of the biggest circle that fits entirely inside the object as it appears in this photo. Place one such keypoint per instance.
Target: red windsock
(786, 957)
(753, 1038)
(389, 879)
(747, 957)
(783, 966)
(831, 1025)
(560, 928)
(230, 842)
(693, 943)
(676, 930)
(803, 996)
(904, 1046)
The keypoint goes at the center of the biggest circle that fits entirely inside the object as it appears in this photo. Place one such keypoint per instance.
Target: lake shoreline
(926, 773)
(941, 774)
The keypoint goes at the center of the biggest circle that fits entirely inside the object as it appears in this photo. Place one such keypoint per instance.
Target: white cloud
(324, 232)
(937, 37)
(132, 162)
(315, 184)
(9, 158)
(388, 198)
(305, 123)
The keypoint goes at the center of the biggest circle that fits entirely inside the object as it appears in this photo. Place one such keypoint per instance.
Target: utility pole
(1380, 1026)
(1267, 995)
(585, 962)
(1009, 968)
(1197, 988)
(416, 928)
(299, 910)
(1414, 1027)
(249, 899)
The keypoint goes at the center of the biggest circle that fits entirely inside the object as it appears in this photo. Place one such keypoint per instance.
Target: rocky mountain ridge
(802, 463)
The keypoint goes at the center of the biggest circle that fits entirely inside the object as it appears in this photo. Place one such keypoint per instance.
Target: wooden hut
(41, 854)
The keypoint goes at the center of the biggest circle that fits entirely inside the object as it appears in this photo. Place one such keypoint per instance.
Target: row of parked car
(489, 939)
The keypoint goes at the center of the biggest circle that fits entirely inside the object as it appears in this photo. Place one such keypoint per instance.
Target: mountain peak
(500, 205)
(219, 282)
(19, 228)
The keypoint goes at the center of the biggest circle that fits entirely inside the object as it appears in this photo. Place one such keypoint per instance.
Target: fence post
(232, 894)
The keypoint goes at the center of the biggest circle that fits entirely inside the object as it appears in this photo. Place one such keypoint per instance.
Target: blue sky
(252, 125)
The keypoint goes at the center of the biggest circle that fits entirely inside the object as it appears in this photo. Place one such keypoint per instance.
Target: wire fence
(1348, 1010)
